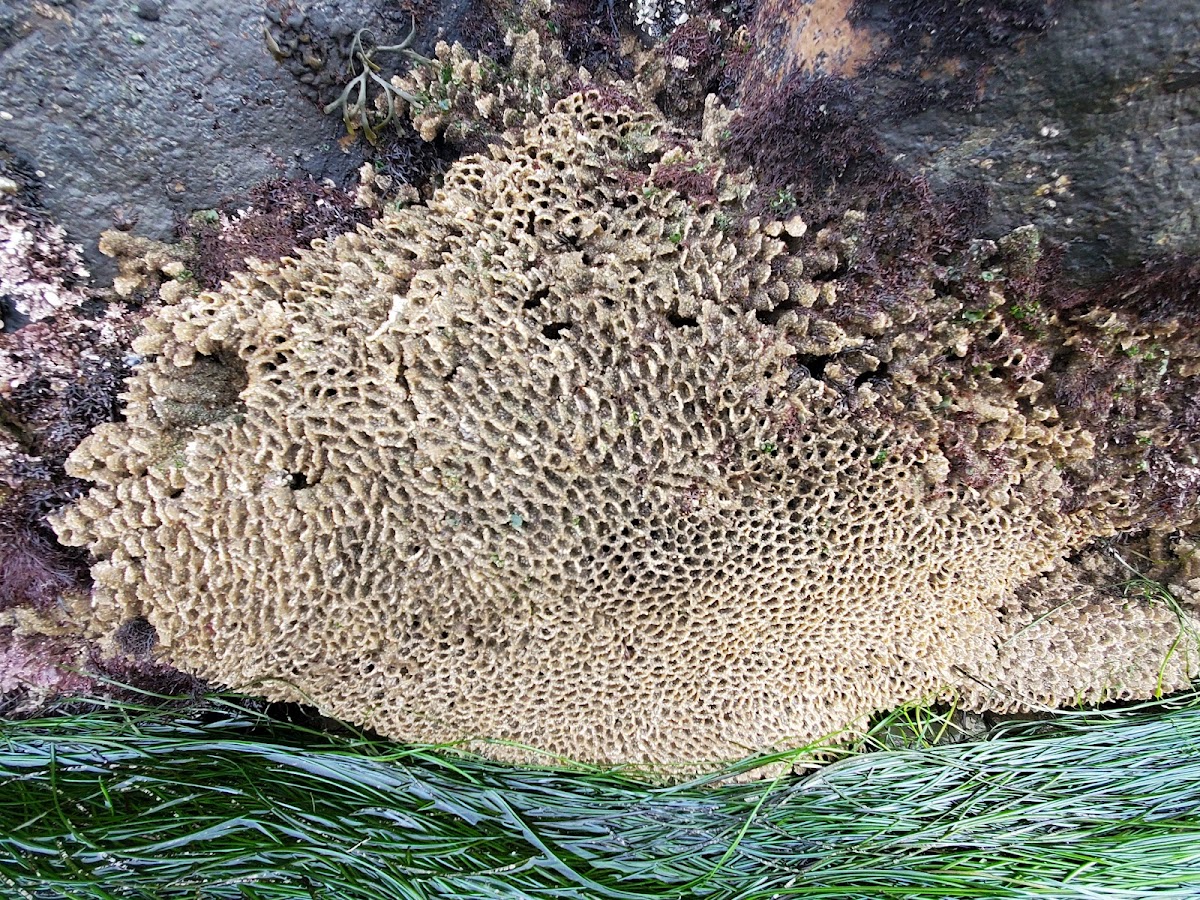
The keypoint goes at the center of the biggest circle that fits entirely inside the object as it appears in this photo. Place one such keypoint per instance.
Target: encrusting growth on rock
(567, 461)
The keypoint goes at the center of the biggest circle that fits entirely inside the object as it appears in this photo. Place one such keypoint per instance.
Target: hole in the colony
(877, 374)
(995, 334)
(554, 330)
(11, 318)
(772, 316)
(838, 271)
(683, 321)
(297, 481)
(1075, 558)
(136, 637)
(813, 365)
(175, 494)
(1061, 361)
(534, 300)
(216, 382)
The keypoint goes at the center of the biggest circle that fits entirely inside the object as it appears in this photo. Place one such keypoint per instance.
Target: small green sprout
(768, 448)
(1024, 311)
(517, 521)
(676, 237)
(1149, 354)
(880, 457)
(633, 143)
(1030, 316)
(783, 202)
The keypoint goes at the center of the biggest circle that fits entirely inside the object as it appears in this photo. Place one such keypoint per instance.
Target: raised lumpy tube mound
(535, 465)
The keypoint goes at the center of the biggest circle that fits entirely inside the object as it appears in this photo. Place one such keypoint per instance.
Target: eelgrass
(125, 803)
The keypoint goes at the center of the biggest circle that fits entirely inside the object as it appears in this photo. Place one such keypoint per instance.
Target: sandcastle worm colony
(600, 451)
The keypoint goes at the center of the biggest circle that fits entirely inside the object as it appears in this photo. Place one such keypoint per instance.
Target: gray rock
(148, 110)
(151, 110)
(1092, 133)
(150, 10)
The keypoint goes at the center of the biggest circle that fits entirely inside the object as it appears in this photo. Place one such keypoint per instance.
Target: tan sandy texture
(534, 463)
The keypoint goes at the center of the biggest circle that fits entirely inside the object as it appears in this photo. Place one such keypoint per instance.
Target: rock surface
(1081, 118)
(147, 111)
(141, 113)
(1092, 134)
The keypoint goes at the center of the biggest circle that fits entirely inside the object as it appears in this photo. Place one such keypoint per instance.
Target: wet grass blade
(129, 802)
